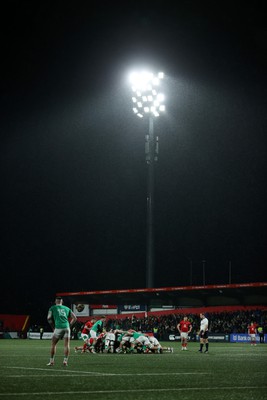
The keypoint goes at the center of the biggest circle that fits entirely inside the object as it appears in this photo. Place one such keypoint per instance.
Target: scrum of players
(97, 340)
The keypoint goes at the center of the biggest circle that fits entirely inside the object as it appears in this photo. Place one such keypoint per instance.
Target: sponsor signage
(244, 338)
(36, 335)
(132, 307)
(103, 306)
(175, 337)
(213, 337)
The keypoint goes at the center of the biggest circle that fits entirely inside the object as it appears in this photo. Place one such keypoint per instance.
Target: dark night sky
(73, 172)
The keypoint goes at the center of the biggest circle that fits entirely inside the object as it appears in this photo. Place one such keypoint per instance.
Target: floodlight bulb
(146, 98)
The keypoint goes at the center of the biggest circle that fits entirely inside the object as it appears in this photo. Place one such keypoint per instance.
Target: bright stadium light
(146, 85)
(148, 102)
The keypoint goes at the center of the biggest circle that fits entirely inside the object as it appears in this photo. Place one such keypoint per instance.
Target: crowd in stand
(224, 322)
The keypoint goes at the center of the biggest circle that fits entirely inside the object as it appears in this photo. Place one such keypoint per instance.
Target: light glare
(144, 86)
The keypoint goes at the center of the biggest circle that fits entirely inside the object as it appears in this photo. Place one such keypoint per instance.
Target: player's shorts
(93, 334)
(154, 341)
(85, 337)
(61, 333)
(252, 336)
(184, 335)
(204, 335)
(144, 341)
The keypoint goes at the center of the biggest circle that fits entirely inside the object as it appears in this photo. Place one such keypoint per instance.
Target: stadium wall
(14, 323)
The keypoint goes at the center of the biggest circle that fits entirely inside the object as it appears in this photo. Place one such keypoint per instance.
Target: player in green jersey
(58, 317)
(96, 329)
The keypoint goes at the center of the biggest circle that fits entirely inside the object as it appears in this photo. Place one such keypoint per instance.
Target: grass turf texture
(228, 371)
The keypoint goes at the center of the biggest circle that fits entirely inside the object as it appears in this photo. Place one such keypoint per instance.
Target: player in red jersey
(252, 330)
(184, 327)
(85, 335)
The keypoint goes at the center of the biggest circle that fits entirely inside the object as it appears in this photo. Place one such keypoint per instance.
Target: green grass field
(228, 371)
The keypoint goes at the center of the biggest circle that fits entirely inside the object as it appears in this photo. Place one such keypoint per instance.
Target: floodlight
(145, 86)
(148, 101)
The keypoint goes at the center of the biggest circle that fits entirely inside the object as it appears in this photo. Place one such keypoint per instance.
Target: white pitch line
(66, 369)
(85, 373)
(135, 391)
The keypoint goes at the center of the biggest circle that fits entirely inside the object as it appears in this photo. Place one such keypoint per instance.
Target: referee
(204, 333)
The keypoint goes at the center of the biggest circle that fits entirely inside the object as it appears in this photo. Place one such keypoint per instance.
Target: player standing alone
(252, 330)
(204, 333)
(184, 327)
(58, 318)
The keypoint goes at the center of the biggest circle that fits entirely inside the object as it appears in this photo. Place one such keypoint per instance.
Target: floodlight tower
(148, 102)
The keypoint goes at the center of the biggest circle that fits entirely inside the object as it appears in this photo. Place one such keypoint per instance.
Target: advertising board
(244, 338)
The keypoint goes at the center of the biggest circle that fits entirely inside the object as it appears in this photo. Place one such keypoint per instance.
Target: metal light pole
(148, 102)
(150, 152)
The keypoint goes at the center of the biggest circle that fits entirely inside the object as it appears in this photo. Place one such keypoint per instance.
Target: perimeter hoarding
(213, 337)
(244, 338)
